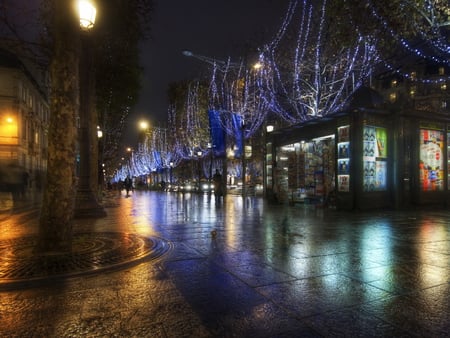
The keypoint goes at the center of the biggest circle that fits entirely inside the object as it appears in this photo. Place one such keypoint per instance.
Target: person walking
(218, 185)
(128, 183)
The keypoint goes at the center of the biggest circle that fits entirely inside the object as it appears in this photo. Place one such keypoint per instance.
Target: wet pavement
(174, 265)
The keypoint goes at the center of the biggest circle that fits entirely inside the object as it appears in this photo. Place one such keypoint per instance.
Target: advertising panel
(431, 160)
(343, 162)
(374, 158)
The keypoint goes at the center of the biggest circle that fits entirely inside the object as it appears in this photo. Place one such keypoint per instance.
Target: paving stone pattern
(239, 269)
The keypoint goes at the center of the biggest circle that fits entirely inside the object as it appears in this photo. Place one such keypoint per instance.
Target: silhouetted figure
(218, 185)
(128, 183)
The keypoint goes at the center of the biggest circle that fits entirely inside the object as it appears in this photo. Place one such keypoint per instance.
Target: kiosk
(340, 160)
(366, 156)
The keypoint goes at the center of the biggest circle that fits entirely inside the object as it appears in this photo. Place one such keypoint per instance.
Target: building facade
(24, 118)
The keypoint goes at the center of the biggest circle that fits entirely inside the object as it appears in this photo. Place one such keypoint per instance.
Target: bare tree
(307, 74)
(55, 226)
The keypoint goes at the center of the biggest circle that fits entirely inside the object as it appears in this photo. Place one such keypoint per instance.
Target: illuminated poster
(374, 158)
(431, 164)
(448, 158)
(343, 162)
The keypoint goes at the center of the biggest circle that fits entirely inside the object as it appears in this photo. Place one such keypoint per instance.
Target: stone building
(24, 117)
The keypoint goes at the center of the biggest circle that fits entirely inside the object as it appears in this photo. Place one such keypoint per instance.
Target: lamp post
(100, 173)
(268, 184)
(210, 165)
(199, 155)
(86, 202)
(244, 166)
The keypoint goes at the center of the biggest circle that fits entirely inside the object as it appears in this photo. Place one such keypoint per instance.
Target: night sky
(213, 28)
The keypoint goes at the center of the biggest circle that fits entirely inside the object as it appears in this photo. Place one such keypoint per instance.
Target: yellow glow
(257, 65)
(9, 131)
(143, 125)
(393, 97)
(87, 13)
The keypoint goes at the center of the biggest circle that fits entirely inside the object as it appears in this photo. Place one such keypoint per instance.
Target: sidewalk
(173, 265)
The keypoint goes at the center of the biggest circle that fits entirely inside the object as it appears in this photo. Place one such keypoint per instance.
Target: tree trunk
(55, 226)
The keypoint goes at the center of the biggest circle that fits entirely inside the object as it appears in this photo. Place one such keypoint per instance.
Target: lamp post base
(86, 205)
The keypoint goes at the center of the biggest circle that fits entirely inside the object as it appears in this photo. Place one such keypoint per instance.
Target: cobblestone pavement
(186, 267)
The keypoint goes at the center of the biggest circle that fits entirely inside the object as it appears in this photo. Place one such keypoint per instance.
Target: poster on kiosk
(374, 159)
(431, 160)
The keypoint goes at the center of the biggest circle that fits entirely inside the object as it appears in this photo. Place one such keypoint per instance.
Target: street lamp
(86, 200)
(268, 184)
(210, 149)
(199, 155)
(143, 125)
(223, 66)
(87, 13)
(244, 167)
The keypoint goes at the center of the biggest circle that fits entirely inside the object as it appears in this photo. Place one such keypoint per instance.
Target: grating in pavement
(91, 253)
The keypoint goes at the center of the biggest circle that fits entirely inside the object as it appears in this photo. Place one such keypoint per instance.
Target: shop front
(361, 158)
(424, 160)
(339, 161)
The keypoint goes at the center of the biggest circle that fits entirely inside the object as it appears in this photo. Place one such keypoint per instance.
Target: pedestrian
(128, 183)
(218, 185)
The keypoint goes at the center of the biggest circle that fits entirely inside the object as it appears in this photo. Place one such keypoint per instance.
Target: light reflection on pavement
(269, 271)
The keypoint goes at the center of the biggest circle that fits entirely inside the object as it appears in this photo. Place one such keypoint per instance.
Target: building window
(441, 71)
(393, 83)
(443, 86)
(444, 104)
(413, 75)
(393, 97)
(413, 91)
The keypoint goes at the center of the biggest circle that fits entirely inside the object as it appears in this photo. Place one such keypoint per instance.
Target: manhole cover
(91, 253)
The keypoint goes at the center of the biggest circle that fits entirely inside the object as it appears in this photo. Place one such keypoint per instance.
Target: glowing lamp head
(87, 13)
(257, 65)
(143, 125)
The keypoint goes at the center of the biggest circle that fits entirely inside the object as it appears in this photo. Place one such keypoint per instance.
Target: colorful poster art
(375, 158)
(431, 160)
(344, 134)
(344, 183)
(374, 141)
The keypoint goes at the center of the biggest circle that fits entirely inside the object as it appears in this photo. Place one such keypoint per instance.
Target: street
(241, 268)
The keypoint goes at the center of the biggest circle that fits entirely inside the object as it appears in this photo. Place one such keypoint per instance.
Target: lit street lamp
(171, 173)
(199, 155)
(86, 203)
(268, 184)
(87, 13)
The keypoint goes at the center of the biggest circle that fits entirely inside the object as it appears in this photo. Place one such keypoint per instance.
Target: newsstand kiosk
(364, 157)
(423, 150)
